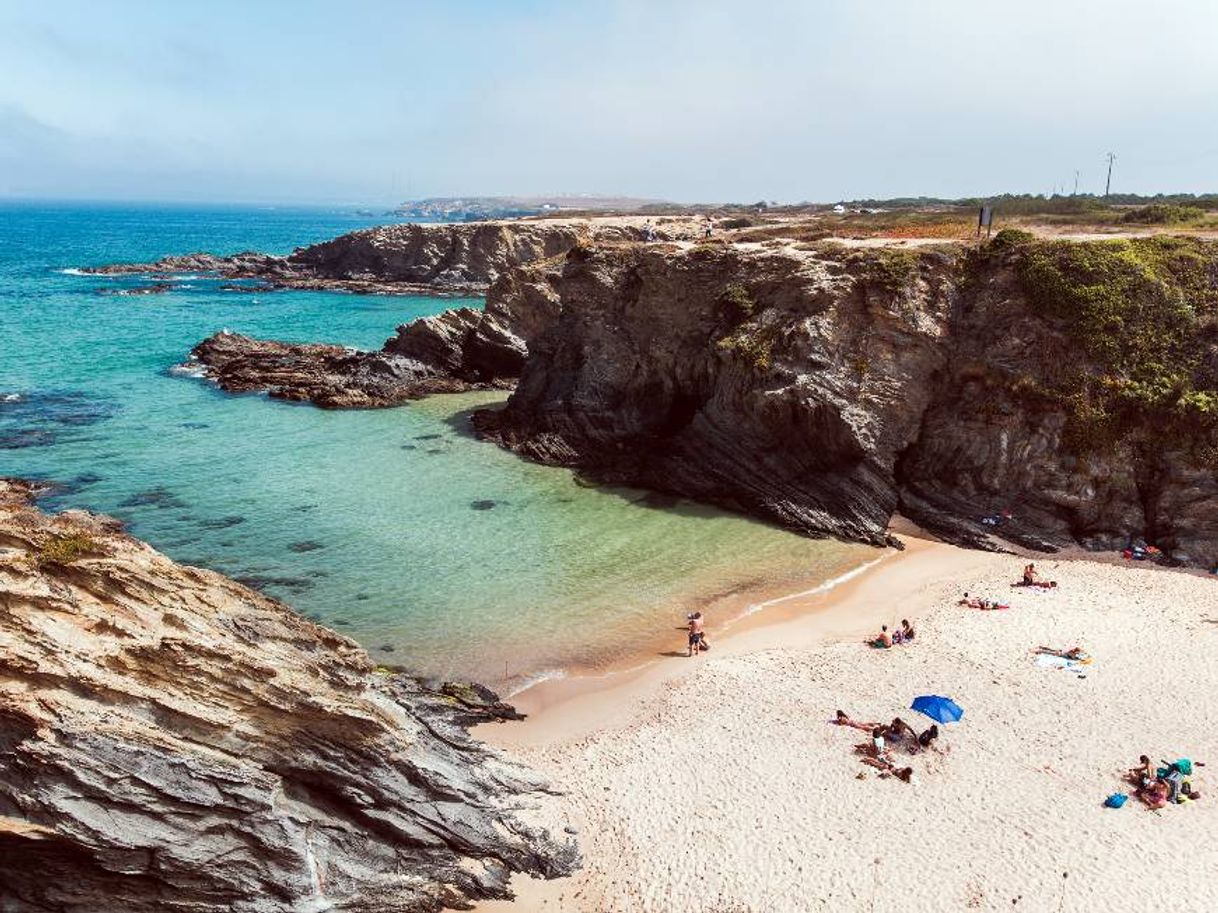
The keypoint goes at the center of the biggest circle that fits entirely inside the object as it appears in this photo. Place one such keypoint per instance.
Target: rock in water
(460, 349)
(170, 740)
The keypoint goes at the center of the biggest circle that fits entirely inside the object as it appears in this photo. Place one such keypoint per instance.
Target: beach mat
(1048, 661)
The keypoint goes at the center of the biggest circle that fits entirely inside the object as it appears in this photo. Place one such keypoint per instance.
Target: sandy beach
(718, 783)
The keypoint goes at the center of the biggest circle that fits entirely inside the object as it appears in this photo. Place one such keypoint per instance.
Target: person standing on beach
(696, 632)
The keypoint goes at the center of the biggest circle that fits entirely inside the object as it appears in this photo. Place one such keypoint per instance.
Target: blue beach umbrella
(938, 708)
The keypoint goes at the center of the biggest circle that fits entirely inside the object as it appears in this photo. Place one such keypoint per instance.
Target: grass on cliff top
(1144, 314)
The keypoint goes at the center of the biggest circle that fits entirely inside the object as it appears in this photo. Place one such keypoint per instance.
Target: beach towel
(1049, 661)
(1116, 800)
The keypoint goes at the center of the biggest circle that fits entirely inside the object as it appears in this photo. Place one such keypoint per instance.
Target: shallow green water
(434, 550)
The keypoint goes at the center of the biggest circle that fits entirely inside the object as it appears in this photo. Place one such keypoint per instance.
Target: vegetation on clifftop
(1144, 314)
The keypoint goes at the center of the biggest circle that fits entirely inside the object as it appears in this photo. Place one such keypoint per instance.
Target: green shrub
(738, 222)
(752, 345)
(737, 302)
(1163, 214)
(1012, 237)
(887, 269)
(66, 549)
(1137, 311)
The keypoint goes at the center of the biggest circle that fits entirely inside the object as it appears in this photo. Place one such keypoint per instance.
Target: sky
(374, 101)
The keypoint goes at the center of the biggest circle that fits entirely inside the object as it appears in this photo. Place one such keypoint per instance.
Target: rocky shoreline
(172, 739)
(457, 350)
(443, 259)
(824, 388)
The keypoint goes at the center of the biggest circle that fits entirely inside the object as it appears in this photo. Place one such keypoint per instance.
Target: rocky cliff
(460, 349)
(1049, 392)
(1062, 391)
(170, 740)
(461, 259)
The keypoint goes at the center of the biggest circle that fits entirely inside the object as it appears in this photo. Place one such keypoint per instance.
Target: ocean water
(436, 551)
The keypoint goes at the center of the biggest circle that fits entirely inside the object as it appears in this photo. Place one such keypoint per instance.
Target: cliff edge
(172, 740)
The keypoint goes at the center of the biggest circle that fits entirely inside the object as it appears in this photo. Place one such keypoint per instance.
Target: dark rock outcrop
(460, 349)
(459, 259)
(170, 740)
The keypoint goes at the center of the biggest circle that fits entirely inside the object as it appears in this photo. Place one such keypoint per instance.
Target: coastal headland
(1024, 396)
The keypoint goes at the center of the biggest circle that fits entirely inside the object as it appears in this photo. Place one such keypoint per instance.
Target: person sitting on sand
(907, 631)
(878, 748)
(900, 731)
(927, 738)
(884, 640)
(1144, 774)
(1029, 575)
(696, 633)
(1075, 653)
(841, 719)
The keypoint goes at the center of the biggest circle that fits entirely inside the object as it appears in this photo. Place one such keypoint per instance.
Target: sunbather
(884, 640)
(901, 773)
(907, 631)
(976, 602)
(841, 719)
(1075, 653)
(900, 731)
(876, 748)
(928, 737)
(1144, 774)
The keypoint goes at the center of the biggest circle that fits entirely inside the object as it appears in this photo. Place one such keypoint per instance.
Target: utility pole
(1108, 183)
(1075, 183)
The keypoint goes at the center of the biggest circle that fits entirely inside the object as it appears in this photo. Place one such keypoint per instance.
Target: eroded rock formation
(460, 349)
(1066, 393)
(170, 740)
(462, 259)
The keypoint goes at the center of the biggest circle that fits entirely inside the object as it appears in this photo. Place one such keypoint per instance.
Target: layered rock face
(776, 382)
(824, 389)
(459, 259)
(170, 740)
(460, 349)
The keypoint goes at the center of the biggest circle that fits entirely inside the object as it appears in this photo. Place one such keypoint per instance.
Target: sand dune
(718, 784)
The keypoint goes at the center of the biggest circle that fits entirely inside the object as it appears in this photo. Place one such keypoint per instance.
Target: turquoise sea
(396, 527)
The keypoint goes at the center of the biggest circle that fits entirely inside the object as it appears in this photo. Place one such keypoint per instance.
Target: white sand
(717, 784)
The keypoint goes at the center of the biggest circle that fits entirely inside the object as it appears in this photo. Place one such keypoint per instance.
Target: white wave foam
(531, 681)
(189, 369)
(11, 397)
(825, 587)
(72, 271)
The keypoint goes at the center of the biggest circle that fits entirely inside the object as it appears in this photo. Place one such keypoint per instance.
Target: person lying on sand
(904, 774)
(1075, 653)
(1154, 794)
(976, 602)
(841, 719)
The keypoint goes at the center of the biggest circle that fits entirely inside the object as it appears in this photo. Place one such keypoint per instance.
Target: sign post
(985, 219)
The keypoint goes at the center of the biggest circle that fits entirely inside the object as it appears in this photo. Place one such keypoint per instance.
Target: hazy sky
(367, 101)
